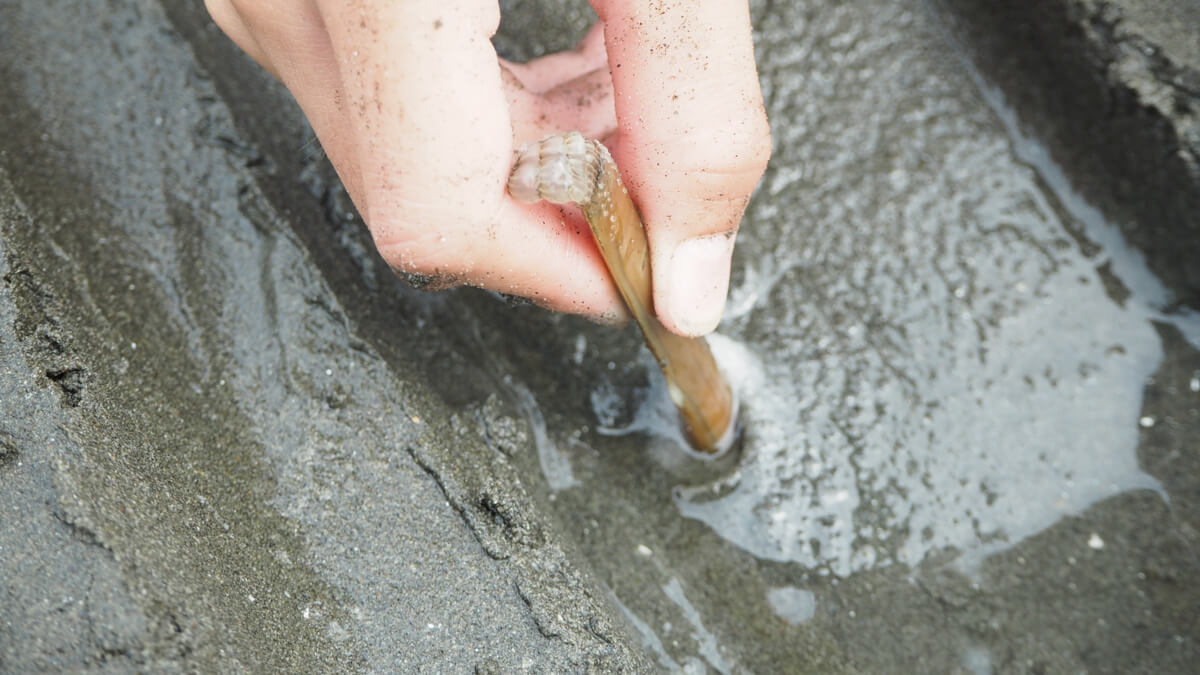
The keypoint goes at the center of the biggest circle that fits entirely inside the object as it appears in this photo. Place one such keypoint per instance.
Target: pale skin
(421, 119)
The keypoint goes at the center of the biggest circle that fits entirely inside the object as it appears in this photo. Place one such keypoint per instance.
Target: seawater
(1008, 400)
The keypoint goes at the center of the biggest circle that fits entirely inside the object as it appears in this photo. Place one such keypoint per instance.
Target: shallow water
(974, 453)
(940, 348)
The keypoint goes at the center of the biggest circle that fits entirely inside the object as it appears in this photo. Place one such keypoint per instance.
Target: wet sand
(231, 440)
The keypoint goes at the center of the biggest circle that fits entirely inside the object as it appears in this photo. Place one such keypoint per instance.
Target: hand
(420, 118)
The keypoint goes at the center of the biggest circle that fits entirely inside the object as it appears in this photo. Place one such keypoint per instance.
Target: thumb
(692, 142)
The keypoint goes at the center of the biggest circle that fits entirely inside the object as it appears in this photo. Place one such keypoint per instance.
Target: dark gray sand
(962, 323)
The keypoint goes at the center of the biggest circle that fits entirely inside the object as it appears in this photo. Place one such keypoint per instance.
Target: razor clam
(568, 168)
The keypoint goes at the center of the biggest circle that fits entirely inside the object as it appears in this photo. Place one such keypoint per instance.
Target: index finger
(423, 82)
(434, 147)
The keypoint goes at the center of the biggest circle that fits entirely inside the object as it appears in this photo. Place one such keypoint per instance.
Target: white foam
(794, 605)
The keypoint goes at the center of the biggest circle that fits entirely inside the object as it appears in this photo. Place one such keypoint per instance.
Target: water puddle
(967, 407)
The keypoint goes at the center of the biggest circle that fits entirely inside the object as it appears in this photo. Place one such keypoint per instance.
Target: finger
(582, 104)
(434, 139)
(693, 141)
(567, 91)
(230, 22)
(547, 72)
(288, 37)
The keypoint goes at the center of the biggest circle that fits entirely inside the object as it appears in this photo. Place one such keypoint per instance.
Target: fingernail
(697, 280)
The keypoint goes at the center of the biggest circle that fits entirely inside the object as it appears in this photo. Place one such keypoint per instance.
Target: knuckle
(745, 148)
(721, 162)
(727, 168)
(419, 255)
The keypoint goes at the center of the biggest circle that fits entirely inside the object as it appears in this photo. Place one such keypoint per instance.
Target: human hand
(420, 118)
